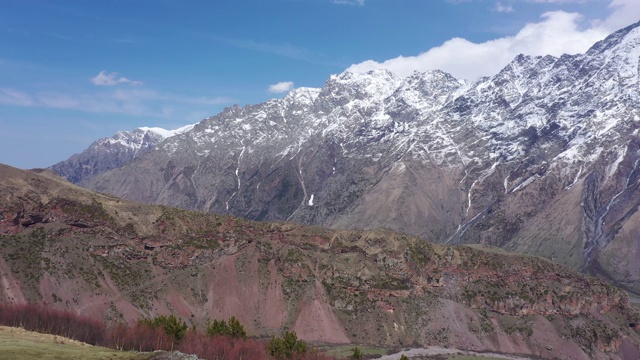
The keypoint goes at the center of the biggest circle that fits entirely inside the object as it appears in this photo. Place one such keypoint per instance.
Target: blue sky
(75, 71)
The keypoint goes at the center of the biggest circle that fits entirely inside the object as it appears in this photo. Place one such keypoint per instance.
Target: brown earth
(108, 258)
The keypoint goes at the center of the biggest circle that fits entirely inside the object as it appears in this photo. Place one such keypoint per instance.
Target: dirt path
(435, 350)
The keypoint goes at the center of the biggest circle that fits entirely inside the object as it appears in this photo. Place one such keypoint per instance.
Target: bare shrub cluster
(46, 320)
(161, 333)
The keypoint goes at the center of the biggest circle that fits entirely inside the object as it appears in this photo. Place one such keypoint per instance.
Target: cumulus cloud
(557, 33)
(112, 79)
(281, 87)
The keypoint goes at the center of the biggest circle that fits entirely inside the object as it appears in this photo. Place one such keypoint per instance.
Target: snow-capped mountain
(541, 158)
(112, 152)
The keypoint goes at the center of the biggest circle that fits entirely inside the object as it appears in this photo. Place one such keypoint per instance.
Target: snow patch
(525, 183)
(168, 133)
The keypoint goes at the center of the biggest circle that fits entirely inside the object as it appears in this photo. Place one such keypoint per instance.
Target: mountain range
(541, 158)
(109, 153)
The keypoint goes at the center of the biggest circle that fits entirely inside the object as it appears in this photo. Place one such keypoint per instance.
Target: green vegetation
(200, 243)
(421, 252)
(233, 329)
(294, 255)
(173, 327)
(518, 325)
(19, 344)
(25, 254)
(160, 333)
(357, 354)
(128, 276)
(286, 347)
(390, 283)
(594, 332)
(93, 211)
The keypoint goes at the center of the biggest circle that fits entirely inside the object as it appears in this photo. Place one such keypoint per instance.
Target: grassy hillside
(19, 344)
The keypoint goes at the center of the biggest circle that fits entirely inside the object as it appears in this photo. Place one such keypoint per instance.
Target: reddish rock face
(375, 287)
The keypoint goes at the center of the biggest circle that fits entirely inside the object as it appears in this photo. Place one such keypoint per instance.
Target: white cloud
(281, 87)
(503, 8)
(625, 12)
(557, 1)
(9, 96)
(285, 49)
(557, 33)
(112, 79)
(138, 102)
(153, 95)
(349, 2)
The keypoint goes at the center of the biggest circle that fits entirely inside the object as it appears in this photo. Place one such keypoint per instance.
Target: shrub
(160, 333)
(142, 337)
(222, 347)
(217, 328)
(286, 347)
(233, 329)
(170, 324)
(236, 330)
(357, 354)
(50, 321)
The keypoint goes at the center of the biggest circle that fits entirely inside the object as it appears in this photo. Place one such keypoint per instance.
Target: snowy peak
(620, 51)
(112, 152)
(617, 39)
(520, 67)
(303, 95)
(133, 140)
(424, 91)
(348, 87)
(140, 138)
(432, 83)
(167, 133)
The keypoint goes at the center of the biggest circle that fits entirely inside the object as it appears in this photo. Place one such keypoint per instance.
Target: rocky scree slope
(541, 158)
(106, 257)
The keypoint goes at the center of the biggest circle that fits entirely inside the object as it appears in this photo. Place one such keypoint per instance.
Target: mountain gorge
(539, 159)
(105, 257)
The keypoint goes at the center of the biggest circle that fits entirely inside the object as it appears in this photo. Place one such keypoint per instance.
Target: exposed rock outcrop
(336, 286)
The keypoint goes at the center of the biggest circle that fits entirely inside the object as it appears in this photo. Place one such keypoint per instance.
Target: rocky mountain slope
(107, 257)
(109, 153)
(540, 158)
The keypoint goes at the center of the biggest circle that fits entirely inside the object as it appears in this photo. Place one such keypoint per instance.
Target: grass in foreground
(20, 344)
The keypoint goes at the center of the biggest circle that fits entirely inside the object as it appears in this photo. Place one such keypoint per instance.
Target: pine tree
(236, 330)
